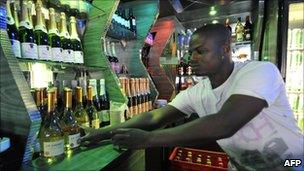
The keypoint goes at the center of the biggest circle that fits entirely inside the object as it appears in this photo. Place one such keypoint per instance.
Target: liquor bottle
(12, 31)
(26, 34)
(93, 83)
(150, 101)
(80, 113)
(76, 44)
(227, 24)
(69, 124)
(54, 38)
(134, 97)
(142, 85)
(41, 36)
(239, 31)
(104, 104)
(66, 44)
(129, 96)
(51, 135)
(91, 110)
(248, 28)
(189, 79)
(138, 94)
(39, 99)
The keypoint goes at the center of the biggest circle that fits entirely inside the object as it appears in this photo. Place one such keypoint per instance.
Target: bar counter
(97, 157)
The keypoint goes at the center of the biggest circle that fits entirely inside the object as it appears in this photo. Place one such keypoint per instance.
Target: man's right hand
(92, 136)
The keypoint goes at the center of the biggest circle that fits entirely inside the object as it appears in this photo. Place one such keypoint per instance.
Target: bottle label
(68, 55)
(78, 55)
(74, 140)
(95, 123)
(44, 52)
(26, 24)
(248, 36)
(57, 54)
(16, 48)
(29, 50)
(105, 117)
(52, 149)
(239, 37)
(40, 27)
(55, 31)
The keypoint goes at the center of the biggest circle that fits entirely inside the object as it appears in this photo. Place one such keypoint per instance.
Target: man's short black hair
(218, 32)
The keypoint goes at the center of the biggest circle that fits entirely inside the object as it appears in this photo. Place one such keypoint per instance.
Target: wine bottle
(248, 28)
(51, 134)
(91, 110)
(69, 124)
(39, 99)
(134, 97)
(93, 83)
(12, 31)
(54, 38)
(239, 31)
(41, 36)
(104, 104)
(66, 44)
(78, 52)
(80, 113)
(27, 39)
(138, 94)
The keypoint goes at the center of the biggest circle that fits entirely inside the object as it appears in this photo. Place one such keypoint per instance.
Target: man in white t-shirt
(241, 105)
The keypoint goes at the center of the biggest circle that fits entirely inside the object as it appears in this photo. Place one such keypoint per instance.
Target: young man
(241, 105)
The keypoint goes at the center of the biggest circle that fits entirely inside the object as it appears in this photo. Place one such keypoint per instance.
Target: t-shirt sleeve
(263, 81)
(182, 102)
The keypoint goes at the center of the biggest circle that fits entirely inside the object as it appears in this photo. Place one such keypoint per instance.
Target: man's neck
(219, 78)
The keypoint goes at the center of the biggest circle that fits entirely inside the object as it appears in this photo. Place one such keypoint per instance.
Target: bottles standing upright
(239, 31)
(54, 38)
(66, 44)
(80, 113)
(51, 135)
(12, 30)
(76, 43)
(104, 104)
(27, 39)
(69, 123)
(248, 28)
(41, 35)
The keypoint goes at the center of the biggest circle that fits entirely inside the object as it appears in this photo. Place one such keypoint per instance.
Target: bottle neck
(10, 19)
(40, 20)
(63, 29)
(16, 19)
(68, 99)
(53, 25)
(74, 34)
(25, 22)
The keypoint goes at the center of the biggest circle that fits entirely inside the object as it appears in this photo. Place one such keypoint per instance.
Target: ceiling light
(212, 11)
(214, 21)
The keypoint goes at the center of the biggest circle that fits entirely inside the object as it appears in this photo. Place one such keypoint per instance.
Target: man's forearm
(192, 133)
(143, 121)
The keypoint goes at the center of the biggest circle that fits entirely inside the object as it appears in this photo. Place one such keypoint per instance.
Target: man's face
(206, 55)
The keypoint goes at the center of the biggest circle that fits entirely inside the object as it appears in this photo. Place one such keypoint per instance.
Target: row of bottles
(39, 42)
(242, 32)
(123, 26)
(62, 113)
(109, 49)
(184, 77)
(295, 38)
(137, 90)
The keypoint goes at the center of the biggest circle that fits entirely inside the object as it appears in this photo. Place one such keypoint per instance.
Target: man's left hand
(131, 138)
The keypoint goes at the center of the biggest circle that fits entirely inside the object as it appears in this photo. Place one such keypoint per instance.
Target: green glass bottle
(76, 43)
(28, 43)
(41, 36)
(54, 38)
(66, 44)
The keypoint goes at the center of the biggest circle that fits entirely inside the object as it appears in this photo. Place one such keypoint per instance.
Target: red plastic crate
(187, 159)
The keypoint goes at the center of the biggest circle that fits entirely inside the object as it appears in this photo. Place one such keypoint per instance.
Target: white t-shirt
(270, 137)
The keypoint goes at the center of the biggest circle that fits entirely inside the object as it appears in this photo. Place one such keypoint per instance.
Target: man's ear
(226, 48)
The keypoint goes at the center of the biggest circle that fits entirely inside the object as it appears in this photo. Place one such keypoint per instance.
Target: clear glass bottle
(80, 113)
(51, 135)
(69, 124)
